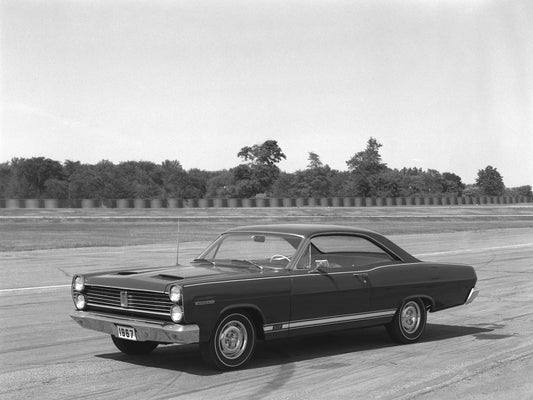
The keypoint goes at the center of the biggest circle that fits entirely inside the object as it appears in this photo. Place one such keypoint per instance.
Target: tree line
(258, 175)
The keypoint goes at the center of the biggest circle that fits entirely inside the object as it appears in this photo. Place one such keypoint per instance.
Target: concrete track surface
(483, 350)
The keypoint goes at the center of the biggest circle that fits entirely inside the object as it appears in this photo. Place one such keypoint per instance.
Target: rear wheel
(409, 322)
(232, 343)
(133, 348)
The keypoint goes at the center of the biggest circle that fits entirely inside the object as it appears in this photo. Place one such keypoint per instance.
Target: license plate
(125, 332)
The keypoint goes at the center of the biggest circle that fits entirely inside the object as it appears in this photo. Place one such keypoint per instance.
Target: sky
(441, 84)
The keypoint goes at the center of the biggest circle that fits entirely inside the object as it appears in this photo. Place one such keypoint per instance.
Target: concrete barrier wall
(445, 201)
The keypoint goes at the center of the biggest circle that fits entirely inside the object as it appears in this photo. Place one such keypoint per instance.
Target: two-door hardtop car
(266, 282)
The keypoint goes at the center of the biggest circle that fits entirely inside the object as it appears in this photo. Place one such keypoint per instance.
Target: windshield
(255, 250)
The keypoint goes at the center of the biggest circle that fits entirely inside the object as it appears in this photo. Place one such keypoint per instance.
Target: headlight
(176, 313)
(78, 283)
(80, 301)
(175, 294)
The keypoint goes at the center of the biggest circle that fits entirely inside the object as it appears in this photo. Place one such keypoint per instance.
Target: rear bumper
(472, 295)
(154, 331)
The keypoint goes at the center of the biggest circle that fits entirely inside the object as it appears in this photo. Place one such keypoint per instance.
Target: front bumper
(154, 331)
(472, 295)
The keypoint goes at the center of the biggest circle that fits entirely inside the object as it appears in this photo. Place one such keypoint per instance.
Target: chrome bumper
(472, 295)
(154, 331)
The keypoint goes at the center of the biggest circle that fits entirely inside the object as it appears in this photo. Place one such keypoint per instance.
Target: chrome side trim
(303, 275)
(472, 295)
(276, 327)
(236, 280)
(340, 319)
(162, 332)
(280, 326)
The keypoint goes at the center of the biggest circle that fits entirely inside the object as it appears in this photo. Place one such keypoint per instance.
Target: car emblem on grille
(123, 298)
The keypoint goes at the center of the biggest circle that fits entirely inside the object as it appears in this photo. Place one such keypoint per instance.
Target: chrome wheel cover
(232, 340)
(411, 317)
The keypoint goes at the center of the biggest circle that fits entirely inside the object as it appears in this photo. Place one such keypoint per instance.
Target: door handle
(362, 276)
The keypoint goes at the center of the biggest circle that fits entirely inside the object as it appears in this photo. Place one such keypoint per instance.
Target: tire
(232, 344)
(133, 348)
(409, 322)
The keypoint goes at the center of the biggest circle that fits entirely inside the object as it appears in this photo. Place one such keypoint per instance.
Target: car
(267, 282)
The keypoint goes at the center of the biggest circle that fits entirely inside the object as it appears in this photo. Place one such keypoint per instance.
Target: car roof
(305, 230)
(310, 230)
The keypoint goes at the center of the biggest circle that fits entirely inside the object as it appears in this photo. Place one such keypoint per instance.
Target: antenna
(178, 245)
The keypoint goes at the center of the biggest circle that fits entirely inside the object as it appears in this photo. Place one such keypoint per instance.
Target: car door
(326, 290)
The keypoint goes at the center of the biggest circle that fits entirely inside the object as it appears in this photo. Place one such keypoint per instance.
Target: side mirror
(320, 265)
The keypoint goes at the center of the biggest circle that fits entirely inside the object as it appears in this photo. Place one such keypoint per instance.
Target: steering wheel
(279, 257)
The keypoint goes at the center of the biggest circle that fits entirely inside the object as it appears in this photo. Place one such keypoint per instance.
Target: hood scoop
(169, 277)
(126, 273)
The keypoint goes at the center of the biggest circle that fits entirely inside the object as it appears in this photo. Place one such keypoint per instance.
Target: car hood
(159, 279)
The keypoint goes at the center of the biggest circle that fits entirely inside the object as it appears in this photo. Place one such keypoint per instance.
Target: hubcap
(411, 316)
(232, 340)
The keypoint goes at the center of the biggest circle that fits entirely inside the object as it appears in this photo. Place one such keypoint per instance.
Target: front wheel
(133, 348)
(232, 343)
(409, 322)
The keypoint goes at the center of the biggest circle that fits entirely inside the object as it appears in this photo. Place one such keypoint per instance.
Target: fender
(256, 315)
(425, 299)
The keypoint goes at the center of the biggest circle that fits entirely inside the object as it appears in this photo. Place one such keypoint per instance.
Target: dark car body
(336, 277)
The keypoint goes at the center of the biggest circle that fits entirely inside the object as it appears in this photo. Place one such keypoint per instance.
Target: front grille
(130, 302)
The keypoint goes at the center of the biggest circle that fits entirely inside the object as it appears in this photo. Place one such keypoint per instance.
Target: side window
(346, 251)
(314, 257)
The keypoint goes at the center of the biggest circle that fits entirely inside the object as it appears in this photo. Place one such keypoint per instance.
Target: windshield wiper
(204, 260)
(250, 263)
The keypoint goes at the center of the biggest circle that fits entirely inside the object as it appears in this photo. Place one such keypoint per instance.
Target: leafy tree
(413, 181)
(196, 183)
(261, 172)
(83, 182)
(471, 190)
(337, 181)
(432, 181)
(519, 191)
(70, 167)
(284, 185)
(6, 180)
(319, 183)
(138, 179)
(368, 161)
(172, 179)
(357, 185)
(107, 183)
(316, 180)
(242, 172)
(365, 165)
(56, 189)
(367, 176)
(268, 153)
(490, 181)
(314, 161)
(245, 183)
(221, 185)
(390, 183)
(32, 174)
(451, 183)
(246, 188)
